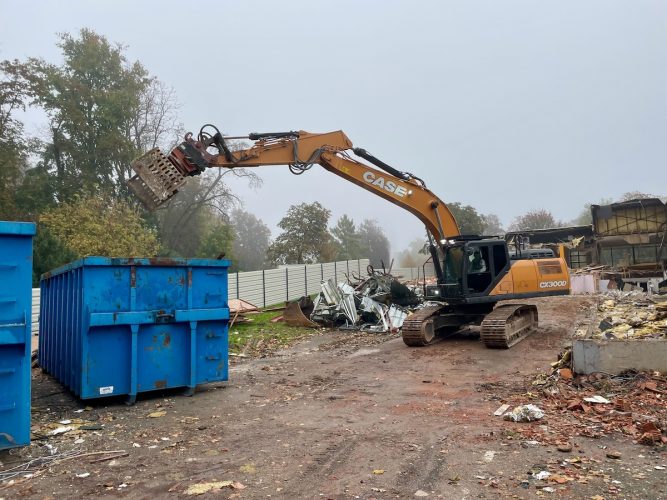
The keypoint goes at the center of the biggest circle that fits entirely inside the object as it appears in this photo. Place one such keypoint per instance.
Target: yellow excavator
(474, 273)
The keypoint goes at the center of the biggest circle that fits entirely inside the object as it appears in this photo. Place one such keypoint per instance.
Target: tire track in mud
(422, 470)
(325, 465)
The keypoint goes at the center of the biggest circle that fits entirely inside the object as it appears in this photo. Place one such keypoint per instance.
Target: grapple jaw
(156, 180)
(159, 177)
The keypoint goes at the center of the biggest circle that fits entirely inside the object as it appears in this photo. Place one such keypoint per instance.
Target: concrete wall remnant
(616, 356)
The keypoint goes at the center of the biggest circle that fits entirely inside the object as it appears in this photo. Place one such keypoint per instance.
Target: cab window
(479, 269)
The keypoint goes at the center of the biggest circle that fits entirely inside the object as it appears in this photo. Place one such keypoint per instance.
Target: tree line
(103, 110)
(306, 238)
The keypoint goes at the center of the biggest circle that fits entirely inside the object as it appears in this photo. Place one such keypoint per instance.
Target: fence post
(347, 263)
(263, 288)
(359, 267)
(287, 284)
(237, 285)
(335, 271)
(321, 272)
(305, 279)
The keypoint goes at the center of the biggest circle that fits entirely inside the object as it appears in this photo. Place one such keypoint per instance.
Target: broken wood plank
(500, 411)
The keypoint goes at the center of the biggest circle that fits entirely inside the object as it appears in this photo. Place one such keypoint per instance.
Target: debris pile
(377, 303)
(630, 316)
(632, 404)
(589, 269)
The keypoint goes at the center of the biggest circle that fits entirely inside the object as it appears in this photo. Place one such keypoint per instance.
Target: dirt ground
(340, 415)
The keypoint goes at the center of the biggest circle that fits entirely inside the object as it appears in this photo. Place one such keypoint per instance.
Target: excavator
(476, 275)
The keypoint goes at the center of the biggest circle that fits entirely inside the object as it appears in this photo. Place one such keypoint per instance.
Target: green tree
(347, 238)
(415, 255)
(251, 240)
(492, 225)
(91, 101)
(374, 243)
(102, 109)
(467, 217)
(535, 219)
(217, 242)
(100, 225)
(304, 235)
(35, 193)
(14, 147)
(48, 253)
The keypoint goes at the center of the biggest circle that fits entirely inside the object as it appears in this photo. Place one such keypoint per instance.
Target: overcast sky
(504, 105)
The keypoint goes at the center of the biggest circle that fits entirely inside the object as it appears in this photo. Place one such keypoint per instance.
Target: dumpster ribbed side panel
(124, 326)
(60, 328)
(15, 319)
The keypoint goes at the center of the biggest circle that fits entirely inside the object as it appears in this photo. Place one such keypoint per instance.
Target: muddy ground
(340, 415)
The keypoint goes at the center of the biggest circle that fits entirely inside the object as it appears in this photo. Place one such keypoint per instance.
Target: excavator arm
(465, 294)
(159, 177)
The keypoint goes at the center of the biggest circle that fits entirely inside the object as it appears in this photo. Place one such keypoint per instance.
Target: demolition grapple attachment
(159, 177)
(156, 180)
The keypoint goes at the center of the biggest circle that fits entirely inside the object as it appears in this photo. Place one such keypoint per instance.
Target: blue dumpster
(112, 327)
(15, 315)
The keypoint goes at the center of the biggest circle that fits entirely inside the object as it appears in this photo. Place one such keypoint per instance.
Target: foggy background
(505, 106)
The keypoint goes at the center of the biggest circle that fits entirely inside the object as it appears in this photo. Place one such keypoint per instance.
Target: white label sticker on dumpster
(106, 390)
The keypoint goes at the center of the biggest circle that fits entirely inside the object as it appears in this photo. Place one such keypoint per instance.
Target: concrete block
(615, 356)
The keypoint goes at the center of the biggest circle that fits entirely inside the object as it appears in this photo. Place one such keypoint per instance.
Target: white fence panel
(35, 311)
(275, 286)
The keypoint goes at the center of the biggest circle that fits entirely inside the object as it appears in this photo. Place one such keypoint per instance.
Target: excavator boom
(159, 177)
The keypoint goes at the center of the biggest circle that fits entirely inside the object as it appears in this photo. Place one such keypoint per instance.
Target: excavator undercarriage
(501, 328)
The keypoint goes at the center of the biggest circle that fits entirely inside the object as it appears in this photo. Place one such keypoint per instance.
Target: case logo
(380, 182)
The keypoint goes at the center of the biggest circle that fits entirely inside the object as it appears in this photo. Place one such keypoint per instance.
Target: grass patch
(260, 336)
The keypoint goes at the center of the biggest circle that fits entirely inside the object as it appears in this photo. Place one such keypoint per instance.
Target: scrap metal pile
(630, 316)
(376, 303)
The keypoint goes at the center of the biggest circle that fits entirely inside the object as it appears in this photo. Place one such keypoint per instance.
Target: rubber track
(508, 324)
(412, 330)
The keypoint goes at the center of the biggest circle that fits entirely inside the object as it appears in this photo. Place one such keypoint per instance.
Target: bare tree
(535, 219)
(637, 195)
(156, 122)
(185, 219)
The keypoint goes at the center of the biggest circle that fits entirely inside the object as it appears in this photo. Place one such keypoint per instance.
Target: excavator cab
(470, 268)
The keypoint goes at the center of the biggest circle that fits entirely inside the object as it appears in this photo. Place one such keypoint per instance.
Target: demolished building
(631, 234)
(628, 234)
